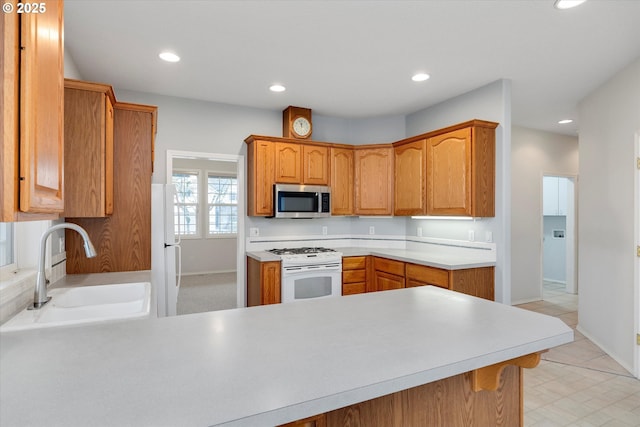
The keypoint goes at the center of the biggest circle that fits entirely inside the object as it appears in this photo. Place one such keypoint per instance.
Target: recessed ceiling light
(565, 121)
(169, 57)
(420, 77)
(277, 88)
(567, 4)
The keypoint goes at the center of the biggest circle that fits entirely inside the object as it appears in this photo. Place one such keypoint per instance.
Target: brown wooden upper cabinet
(260, 176)
(342, 165)
(373, 180)
(461, 171)
(448, 171)
(410, 178)
(298, 163)
(31, 104)
(88, 149)
(274, 160)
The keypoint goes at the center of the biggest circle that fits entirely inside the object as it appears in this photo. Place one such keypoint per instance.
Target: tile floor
(577, 384)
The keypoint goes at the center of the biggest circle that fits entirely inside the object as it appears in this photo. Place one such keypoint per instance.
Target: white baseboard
(208, 272)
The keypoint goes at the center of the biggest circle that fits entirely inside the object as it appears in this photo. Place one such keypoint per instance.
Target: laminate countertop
(447, 260)
(259, 366)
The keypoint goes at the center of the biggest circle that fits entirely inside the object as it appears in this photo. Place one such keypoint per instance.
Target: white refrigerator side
(165, 251)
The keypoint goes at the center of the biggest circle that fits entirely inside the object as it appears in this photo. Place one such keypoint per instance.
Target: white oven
(310, 273)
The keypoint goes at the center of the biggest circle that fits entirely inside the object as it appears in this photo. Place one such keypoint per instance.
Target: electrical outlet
(324, 230)
(472, 235)
(254, 231)
(419, 232)
(60, 244)
(488, 236)
(372, 230)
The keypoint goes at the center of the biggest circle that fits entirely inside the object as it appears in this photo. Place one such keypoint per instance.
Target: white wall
(609, 119)
(493, 103)
(533, 153)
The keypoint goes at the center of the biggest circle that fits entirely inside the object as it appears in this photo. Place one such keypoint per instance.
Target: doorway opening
(559, 236)
(210, 199)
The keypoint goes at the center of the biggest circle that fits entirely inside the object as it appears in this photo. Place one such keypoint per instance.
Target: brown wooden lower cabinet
(263, 282)
(450, 402)
(354, 274)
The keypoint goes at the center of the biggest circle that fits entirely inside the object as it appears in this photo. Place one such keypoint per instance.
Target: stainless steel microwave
(301, 201)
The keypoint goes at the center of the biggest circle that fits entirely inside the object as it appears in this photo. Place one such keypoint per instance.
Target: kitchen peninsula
(275, 364)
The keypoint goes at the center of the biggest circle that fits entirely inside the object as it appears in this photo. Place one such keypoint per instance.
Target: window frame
(206, 206)
(12, 267)
(198, 205)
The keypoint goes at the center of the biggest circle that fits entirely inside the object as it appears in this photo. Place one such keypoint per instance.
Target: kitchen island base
(450, 402)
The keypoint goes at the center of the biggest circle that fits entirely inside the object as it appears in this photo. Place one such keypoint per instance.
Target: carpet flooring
(207, 292)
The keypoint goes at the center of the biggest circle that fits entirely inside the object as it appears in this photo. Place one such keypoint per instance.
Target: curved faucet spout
(40, 295)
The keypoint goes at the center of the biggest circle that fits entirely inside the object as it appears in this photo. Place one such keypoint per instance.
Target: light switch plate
(254, 231)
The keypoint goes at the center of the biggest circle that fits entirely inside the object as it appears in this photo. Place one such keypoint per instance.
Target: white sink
(87, 304)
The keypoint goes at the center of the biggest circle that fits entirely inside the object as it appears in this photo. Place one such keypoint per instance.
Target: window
(186, 208)
(222, 201)
(7, 247)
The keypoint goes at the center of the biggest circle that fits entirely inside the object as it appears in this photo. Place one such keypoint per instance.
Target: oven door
(315, 281)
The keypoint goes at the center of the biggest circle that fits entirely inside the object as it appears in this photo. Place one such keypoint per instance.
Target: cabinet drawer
(427, 275)
(353, 276)
(389, 266)
(353, 288)
(353, 262)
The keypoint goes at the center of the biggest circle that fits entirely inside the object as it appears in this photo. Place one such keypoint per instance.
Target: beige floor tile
(577, 384)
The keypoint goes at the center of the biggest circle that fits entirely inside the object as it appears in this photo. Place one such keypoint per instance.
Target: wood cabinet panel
(288, 163)
(315, 162)
(260, 177)
(461, 171)
(389, 266)
(443, 403)
(354, 288)
(354, 276)
(410, 178)
(263, 282)
(374, 181)
(42, 110)
(88, 146)
(316, 421)
(342, 175)
(386, 281)
(421, 275)
(479, 282)
(123, 240)
(354, 262)
(449, 166)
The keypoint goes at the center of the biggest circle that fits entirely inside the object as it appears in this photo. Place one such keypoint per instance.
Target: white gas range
(310, 273)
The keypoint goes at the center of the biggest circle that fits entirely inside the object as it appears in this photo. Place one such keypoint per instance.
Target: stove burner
(298, 251)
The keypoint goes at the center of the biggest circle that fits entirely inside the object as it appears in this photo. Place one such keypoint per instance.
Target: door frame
(241, 294)
(571, 237)
(636, 368)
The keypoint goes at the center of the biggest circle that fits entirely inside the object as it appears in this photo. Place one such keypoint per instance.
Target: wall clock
(296, 122)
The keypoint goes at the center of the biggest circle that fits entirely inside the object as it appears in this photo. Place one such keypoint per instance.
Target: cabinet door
(315, 162)
(374, 181)
(123, 240)
(41, 110)
(88, 135)
(410, 178)
(288, 163)
(341, 181)
(386, 281)
(260, 178)
(449, 173)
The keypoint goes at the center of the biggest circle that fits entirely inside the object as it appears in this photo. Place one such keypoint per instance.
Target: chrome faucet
(40, 295)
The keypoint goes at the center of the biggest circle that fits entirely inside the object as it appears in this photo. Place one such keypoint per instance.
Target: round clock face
(301, 126)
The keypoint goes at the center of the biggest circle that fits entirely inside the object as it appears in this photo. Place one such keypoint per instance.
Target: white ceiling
(354, 59)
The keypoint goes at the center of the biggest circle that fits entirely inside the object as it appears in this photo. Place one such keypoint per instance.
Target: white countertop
(446, 259)
(260, 366)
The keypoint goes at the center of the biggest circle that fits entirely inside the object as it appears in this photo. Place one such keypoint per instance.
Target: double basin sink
(86, 304)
